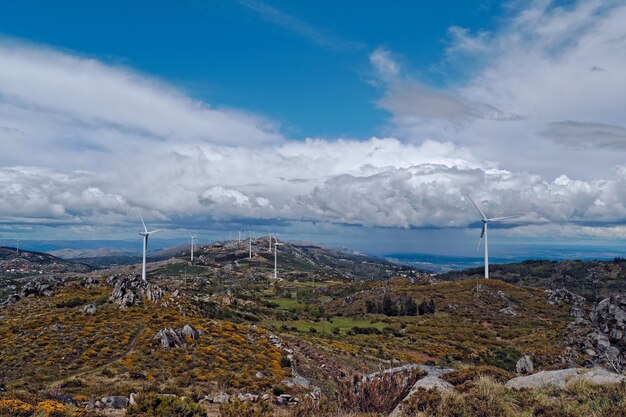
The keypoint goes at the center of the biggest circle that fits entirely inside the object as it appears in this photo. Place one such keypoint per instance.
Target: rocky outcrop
(524, 365)
(116, 402)
(169, 338)
(601, 337)
(562, 296)
(563, 377)
(132, 290)
(89, 309)
(89, 282)
(38, 288)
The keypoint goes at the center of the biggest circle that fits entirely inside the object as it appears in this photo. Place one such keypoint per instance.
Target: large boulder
(563, 377)
(116, 402)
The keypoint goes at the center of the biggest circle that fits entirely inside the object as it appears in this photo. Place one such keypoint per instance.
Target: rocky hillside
(222, 334)
(16, 269)
(302, 259)
(594, 280)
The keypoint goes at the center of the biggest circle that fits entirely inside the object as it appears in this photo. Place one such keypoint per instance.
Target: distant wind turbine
(250, 244)
(193, 238)
(270, 244)
(483, 233)
(17, 245)
(276, 245)
(145, 235)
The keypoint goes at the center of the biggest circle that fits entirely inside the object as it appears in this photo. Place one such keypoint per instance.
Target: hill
(17, 268)
(594, 280)
(224, 327)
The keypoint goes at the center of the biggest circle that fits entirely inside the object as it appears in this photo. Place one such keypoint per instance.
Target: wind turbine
(145, 235)
(250, 245)
(276, 244)
(193, 238)
(17, 246)
(270, 245)
(483, 234)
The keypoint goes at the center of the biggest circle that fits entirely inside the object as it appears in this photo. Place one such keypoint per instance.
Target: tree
(388, 308)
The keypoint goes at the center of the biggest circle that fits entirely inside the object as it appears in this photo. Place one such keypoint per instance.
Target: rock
(89, 309)
(248, 397)
(600, 377)
(524, 365)
(298, 380)
(190, 332)
(563, 377)
(37, 288)
(541, 379)
(431, 381)
(132, 399)
(89, 282)
(509, 311)
(169, 338)
(259, 375)
(265, 397)
(564, 296)
(284, 399)
(221, 398)
(131, 290)
(117, 402)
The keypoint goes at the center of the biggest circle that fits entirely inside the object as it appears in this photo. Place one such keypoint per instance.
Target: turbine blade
(482, 234)
(479, 210)
(480, 240)
(502, 218)
(154, 231)
(142, 222)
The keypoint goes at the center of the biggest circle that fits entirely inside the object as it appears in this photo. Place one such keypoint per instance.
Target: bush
(377, 394)
(463, 375)
(246, 409)
(15, 408)
(154, 405)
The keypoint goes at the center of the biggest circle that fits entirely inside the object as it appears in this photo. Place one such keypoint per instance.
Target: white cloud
(546, 66)
(84, 142)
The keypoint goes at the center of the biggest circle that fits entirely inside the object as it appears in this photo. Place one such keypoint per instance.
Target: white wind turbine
(145, 235)
(276, 245)
(193, 239)
(270, 244)
(483, 234)
(250, 245)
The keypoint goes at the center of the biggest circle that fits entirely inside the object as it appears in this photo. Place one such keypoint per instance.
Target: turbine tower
(145, 235)
(276, 244)
(193, 238)
(270, 245)
(250, 245)
(17, 246)
(483, 233)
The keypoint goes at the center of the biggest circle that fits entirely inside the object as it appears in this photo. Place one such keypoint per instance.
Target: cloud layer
(535, 129)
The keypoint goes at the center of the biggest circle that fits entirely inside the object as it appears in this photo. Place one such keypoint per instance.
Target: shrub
(154, 405)
(15, 408)
(377, 394)
(246, 409)
(463, 375)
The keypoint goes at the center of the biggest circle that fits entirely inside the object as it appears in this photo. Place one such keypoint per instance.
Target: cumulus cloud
(86, 142)
(542, 86)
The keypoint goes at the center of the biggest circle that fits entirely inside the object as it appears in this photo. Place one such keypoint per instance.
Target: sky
(361, 124)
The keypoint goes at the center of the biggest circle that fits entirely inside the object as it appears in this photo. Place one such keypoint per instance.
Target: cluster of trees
(401, 306)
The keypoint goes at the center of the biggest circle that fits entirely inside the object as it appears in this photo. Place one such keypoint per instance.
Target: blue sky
(230, 53)
(357, 123)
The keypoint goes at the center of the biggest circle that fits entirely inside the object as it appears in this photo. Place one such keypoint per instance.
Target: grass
(323, 326)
